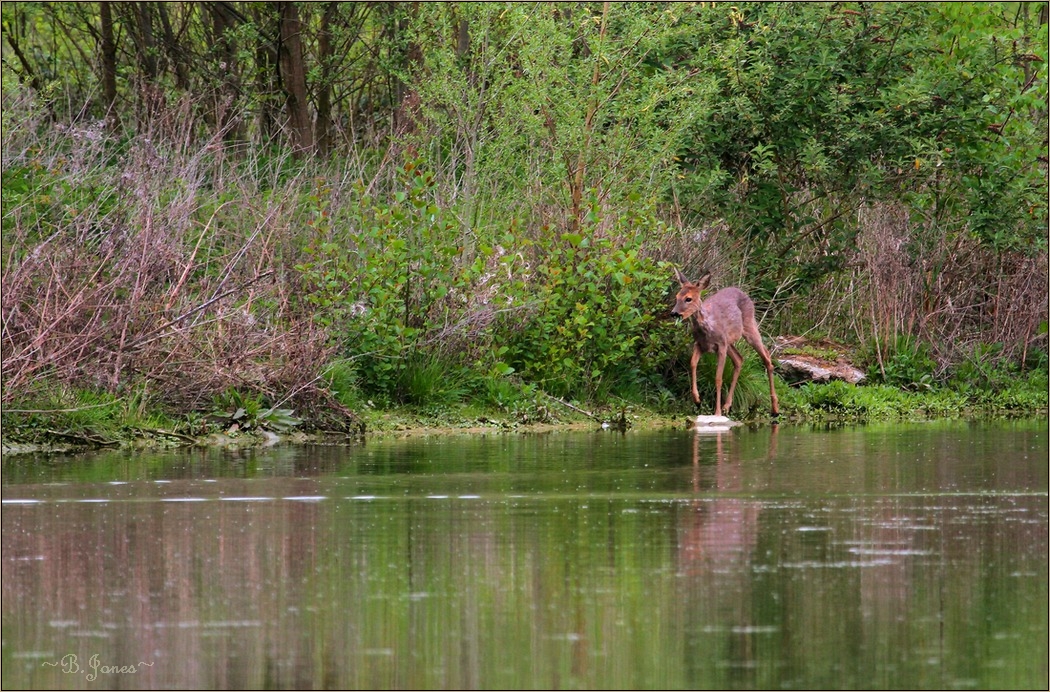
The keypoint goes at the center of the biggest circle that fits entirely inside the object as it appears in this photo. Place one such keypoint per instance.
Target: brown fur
(717, 324)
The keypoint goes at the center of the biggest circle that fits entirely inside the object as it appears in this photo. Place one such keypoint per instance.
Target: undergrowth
(154, 284)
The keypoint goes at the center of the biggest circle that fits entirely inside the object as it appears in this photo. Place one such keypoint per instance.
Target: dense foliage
(337, 205)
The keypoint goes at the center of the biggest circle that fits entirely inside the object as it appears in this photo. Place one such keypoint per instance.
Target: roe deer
(718, 323)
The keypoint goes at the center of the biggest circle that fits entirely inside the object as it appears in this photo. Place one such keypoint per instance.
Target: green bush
(343, 383)
(841, 399)
(906, 363)
(430, 381)
(499, 389)
(834, 397)
(384, 278)
(569, 312)
(249, 412)
(595, 303)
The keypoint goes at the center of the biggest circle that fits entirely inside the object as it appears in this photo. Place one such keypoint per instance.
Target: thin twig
(58, 410)
(159, 332)
(568, 405)
(84, 438)
(193, 255)
(295, 391)
(158, 431)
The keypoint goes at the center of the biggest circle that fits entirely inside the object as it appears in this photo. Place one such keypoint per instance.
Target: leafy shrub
(1019, 394)
(595, 302)
(906, 363)
(384, 277)
(249, 412)
(835, 396)
(838, 398)
(498, 389)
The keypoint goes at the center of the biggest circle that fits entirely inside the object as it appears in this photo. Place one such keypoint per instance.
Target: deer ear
(703, 281)
(681, 277)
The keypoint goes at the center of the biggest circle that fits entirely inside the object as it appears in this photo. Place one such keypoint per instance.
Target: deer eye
(689, 300)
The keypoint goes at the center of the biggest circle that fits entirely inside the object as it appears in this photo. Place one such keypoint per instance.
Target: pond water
(904, 556)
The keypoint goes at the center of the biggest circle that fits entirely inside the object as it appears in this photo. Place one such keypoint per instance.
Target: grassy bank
(267, 295)
(82, 420)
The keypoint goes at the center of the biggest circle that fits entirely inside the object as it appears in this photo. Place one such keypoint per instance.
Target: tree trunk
(266, 71)
(151, 96)
(462, 38)
(144, 41)
(171, 47)
(324, 90)
(27, 74)
(293, 78)
(226, 114)
(109, 65)
(406, 114)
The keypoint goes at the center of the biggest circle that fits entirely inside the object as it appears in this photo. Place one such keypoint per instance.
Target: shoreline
(159, 440)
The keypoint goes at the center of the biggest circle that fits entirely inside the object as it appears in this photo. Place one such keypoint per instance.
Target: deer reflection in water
(717, 534)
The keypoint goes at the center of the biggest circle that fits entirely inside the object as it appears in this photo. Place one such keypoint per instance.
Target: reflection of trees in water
(162, 581)
(596, 589)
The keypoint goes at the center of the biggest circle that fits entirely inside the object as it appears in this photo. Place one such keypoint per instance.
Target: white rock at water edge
(714, 424)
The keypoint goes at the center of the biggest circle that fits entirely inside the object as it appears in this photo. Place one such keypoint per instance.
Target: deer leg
(755, 340)
(692, 373)
(718, 380)
(738, 360)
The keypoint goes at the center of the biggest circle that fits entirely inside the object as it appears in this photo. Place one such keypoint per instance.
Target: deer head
(687, 302)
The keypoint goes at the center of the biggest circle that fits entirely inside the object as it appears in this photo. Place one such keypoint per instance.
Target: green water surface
(904, 556)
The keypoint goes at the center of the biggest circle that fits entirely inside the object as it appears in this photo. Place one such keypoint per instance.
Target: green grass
(1022, 396)
(84, 417)
(436, 394)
